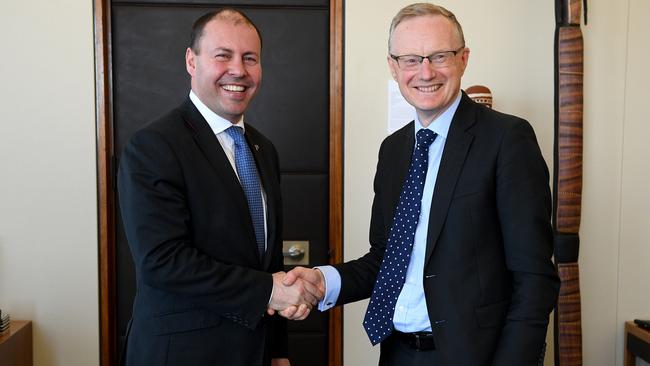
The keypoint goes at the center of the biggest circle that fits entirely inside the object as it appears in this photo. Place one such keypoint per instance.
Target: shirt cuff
(332, 287)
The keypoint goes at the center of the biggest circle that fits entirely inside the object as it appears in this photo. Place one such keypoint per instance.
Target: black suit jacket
(202, 290)
(488, 279)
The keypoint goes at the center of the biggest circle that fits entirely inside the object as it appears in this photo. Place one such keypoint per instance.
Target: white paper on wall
(399, 111)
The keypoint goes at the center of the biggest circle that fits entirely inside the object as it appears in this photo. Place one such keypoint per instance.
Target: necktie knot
(425, 137)
(237, 134)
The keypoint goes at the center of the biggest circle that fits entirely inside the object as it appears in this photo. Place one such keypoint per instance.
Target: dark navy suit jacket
(488, 278)
(202, 290)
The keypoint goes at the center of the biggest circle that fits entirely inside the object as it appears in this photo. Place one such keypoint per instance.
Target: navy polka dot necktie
(250, 182)
(378, 321)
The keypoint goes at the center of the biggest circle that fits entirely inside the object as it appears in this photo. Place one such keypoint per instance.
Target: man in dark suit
(200, 200)
(459, 271)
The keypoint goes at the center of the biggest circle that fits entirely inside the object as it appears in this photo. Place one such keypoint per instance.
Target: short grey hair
(422, 9)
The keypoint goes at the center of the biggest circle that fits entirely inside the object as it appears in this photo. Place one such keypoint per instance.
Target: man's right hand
(295, 298)
(314, 279)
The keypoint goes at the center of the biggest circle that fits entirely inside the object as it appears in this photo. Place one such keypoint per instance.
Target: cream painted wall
(511, 46)
(48, 210)
(634, 235)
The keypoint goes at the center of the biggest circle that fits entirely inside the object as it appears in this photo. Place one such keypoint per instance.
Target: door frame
(106, 173)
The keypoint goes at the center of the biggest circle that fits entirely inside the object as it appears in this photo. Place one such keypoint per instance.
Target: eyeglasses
(438, 60)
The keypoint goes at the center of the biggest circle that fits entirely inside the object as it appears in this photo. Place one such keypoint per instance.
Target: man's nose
(427, 70)
(236, 67)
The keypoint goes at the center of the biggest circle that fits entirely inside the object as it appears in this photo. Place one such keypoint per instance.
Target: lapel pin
(257, 147)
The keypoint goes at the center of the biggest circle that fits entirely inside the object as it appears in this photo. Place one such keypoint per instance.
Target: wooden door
(141, 75)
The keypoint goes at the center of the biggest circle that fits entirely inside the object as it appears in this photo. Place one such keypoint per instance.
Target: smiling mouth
(429, 89)
(233, 88)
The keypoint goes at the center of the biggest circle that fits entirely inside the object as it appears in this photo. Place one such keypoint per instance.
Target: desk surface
(16, 344)
(632, 328)
(639, 347)
(15, 327)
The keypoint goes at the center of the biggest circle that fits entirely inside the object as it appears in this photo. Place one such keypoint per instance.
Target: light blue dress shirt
(411, 309)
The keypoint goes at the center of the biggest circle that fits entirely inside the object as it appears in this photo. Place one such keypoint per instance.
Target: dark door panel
(149, 39)
(308, 349)
(305, 208)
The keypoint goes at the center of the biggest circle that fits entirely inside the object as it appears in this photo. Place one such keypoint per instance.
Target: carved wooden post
(567, 181)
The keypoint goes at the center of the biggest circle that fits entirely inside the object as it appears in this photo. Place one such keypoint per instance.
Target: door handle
(295, 252)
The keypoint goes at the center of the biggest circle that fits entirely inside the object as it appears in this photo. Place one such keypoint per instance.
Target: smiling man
(459, 271)
(200, 200)
(224, 60)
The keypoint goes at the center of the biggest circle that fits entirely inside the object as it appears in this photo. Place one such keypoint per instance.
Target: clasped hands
(296, 292)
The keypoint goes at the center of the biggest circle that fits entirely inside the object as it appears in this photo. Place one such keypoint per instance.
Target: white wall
(511, 46)
(48, 210)
(634, 231)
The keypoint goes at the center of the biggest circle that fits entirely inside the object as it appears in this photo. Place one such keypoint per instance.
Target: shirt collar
(217, 123)
(441, 124)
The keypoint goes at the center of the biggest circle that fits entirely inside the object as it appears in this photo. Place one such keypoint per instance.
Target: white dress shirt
(219, 126)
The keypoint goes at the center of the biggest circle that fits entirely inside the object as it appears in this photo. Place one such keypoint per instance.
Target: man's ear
(392, 66)
(190, 61)
(465, 58)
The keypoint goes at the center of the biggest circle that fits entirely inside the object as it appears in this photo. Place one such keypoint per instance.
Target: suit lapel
(402, 156)
(453, 158)
(211, 148)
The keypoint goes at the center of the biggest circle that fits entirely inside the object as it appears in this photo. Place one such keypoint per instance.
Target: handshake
(296, 292)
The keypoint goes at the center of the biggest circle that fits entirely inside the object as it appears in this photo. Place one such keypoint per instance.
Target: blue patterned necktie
(378, 321)
(250, 182)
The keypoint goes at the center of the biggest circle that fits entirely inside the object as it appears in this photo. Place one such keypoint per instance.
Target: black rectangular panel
(308, 349)
(305, 207)
(292, 107)
(316, 322)
(638, 347)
